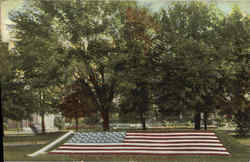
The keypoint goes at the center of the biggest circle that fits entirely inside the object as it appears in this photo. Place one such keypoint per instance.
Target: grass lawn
(244, 141)
(238, 147)
(32, 139)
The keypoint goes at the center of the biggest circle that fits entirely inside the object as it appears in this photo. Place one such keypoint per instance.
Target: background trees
(137, 33)
(38, 58)
(16, 101)
(189, 57)
(3, 72)
(235, 35)
(64, 32)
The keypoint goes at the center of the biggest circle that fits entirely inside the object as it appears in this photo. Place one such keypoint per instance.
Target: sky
(225, 5)
(155, 5)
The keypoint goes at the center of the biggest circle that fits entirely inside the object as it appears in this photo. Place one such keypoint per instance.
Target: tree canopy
(189, 57)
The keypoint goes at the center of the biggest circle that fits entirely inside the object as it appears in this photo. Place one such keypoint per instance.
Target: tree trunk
(143, 121)
(1, 113)
(76, 124)
(105, 117)
(42, 112)
(43, 122)
(197, 121)
(2, 125)
(205, 120)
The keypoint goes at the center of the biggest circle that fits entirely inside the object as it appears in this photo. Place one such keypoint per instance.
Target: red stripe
(96, 153)
(192, 131)
(170, 138)
(141, 149)
(160, 135)
(169, 142)
(135, 146)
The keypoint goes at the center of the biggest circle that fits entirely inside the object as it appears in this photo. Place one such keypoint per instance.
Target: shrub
(242, 120)
(59, 122)
(5, 126)
(221, 122)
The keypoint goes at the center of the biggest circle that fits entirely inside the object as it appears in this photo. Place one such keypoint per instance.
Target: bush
(59, 122)
(221, 122)
(5, 126)
(91, 120)
(242, 120)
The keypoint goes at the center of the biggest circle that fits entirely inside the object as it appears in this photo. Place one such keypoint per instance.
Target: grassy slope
(240, 153)
(21, 152)
(31, 138)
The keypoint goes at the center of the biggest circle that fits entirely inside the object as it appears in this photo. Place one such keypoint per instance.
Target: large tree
(235, 37)
(4, 70)
(189, 77)
(138, 38)
(16, 100)
(38, 58)
(78, 35)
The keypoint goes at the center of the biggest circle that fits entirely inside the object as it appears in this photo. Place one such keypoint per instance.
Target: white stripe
(172, 137)
(147, 140)
(170, 133)
(146, 144)
(153, 148)
(145, 152)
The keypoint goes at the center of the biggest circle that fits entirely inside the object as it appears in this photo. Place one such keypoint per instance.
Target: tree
(15, 99)
(66, 32)
(235, 32)
(3, 72)
(187, 59)
(78, 104)
(138, 41)
(137, 101)
(33, 49)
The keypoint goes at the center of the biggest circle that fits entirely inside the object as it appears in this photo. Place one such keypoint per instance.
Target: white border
(47, 147)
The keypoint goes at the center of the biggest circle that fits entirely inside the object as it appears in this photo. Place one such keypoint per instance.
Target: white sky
(225, 5)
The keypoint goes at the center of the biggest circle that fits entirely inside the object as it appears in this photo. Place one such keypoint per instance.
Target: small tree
(59, 122)
(242, 119)
(78, 103)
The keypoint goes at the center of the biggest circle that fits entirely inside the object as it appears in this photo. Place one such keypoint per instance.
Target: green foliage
(189, 58)
(92, 120)
(235, 35)
(221, 122)
(201, 59)
(4, 60)
(242, 119)
(59, 122)
(16, 99)
(75, 41)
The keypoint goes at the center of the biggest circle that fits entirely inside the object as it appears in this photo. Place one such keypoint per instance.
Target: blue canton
(98, 137)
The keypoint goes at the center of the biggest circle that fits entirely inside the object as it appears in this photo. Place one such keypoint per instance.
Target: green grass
(29, 138)
(244, 141)
(21, 152)
(238, 147)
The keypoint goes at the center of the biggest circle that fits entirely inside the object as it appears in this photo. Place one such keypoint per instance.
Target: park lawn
(244, 141)
(239, 153)
(32, 139)
(21, 152)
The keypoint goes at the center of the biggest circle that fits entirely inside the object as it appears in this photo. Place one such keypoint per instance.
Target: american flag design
(128, 143)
